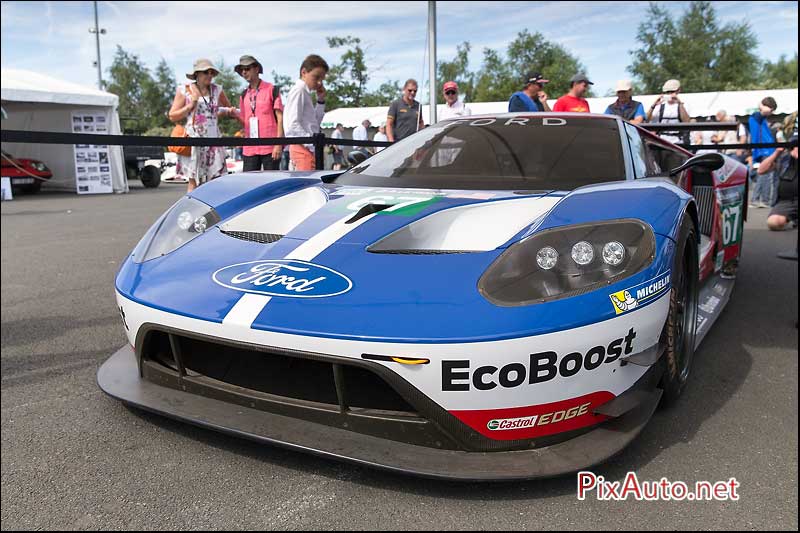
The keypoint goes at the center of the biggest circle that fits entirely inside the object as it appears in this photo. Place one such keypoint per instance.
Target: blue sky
(53, 37)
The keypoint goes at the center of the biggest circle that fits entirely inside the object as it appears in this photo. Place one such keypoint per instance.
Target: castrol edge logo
(500, 424)
(283, 277)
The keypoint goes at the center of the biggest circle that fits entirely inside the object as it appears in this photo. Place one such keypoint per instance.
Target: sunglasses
(411, 90)
(248, 67)
(450, 93)
(209, 72)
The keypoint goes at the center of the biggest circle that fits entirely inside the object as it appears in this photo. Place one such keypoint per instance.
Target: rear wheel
(151, 176)
(679, 331)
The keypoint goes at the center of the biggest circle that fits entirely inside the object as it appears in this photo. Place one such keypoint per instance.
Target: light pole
(97, 31)
(432, 55)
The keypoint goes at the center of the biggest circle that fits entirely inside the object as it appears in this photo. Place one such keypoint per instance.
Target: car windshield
(503, 153)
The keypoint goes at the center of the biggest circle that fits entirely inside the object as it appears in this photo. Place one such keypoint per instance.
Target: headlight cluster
(566, 261)
(184, 221)
(41, 167)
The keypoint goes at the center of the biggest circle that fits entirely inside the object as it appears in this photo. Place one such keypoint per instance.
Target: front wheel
(679, 331)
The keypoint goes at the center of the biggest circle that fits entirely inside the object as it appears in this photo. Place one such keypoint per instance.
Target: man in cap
(453, 107)
(532, 97)
(625, 106)
(261, 113)
(669, 108)
(573, 101)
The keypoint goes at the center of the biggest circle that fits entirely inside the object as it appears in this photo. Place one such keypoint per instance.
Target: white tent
(736, 103)
(35, 102)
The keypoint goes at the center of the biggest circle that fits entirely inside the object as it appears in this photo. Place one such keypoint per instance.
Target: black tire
(34, 187)
(679, 331)
(151, 176)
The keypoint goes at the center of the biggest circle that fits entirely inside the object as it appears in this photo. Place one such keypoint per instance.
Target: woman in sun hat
(200, 104)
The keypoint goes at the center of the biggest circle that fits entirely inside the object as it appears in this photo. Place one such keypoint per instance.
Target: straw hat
(201, 65)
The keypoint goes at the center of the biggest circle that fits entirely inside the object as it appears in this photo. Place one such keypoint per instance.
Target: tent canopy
(735, 103)
(35, 102)
(26, 86)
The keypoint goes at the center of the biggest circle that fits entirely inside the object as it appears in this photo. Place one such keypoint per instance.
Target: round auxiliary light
(185, 220)
(582, 253)
(613, 253)
(546, 258)
(200, 224)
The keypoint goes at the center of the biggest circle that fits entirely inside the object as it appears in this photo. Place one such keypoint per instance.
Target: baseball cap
(580, 76)
(671, 85)
(624, 85)
(536, 77)
(450, 85)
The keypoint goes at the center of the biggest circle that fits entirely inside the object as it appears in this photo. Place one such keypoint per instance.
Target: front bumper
(120, 378)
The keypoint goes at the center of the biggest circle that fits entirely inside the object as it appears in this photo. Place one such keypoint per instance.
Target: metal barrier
(48, 137)
(319, 141)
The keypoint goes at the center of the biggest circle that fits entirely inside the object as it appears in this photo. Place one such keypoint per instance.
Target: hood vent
(261, 238)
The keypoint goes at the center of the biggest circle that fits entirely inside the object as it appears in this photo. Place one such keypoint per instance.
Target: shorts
(786, 208)
(301, 158)
(338, 158)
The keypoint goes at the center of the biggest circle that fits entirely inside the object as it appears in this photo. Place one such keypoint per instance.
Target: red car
(27, 175)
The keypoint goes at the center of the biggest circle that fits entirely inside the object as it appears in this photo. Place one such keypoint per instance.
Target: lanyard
(253, 99)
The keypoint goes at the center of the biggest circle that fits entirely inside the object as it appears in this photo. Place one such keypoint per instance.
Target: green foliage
(500, 77)
(779, 75)
(232, 85)
(130, 80)
(347, 81)
(283, 82)
(457, 70)
(697, 50)
(386, 93)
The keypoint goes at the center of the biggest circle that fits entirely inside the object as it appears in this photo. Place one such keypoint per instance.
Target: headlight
(41, 167)
(567, 261)
(184, 221)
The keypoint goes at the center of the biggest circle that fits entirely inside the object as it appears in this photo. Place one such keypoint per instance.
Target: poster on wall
(92, 169)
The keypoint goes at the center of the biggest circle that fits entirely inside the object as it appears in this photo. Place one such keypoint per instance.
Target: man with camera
(669, 109)
(784, 165)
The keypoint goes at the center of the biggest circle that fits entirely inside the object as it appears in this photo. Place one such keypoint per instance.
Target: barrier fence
(319, 141)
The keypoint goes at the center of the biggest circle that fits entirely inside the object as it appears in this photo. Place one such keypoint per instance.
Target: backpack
(790, 125)
(276, 91)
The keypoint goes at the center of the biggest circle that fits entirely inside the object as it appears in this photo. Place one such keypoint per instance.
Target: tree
(457, 70)
(283, 82)
(779, 75)
(347, 81)
(233, 86)
(697, 50)
(384, 95)
(128, 78)
(499, 78)
(158, 93)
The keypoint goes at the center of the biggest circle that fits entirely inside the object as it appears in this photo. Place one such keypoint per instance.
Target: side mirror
(709, 161)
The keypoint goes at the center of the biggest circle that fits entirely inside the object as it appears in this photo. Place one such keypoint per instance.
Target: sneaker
(762, 204)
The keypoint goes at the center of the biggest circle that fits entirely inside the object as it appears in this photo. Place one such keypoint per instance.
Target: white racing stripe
(250, 306)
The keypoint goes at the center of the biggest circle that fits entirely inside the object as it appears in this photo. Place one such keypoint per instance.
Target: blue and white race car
(497, 297)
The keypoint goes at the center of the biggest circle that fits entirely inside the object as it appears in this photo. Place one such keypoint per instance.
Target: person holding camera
(669, 109)
(784, 166)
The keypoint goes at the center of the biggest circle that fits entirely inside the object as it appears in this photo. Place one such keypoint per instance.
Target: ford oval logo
(283, 277)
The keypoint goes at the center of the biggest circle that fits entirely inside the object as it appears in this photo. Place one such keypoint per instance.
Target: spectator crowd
(262, 113)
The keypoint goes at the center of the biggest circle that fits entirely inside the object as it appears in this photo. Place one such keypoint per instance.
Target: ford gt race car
(497, 297)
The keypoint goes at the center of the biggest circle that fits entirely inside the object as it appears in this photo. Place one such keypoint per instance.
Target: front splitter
(119, 378)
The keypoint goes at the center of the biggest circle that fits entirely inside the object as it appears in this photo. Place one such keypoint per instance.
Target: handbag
(180, 132)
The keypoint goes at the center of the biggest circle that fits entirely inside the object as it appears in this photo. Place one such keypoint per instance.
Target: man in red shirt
(261, 113)
(574, 101)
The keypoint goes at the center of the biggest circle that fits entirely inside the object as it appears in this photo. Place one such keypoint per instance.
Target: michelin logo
(636, 296)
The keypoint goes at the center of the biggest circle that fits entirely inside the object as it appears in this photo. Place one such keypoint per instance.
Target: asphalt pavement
(73, 458)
